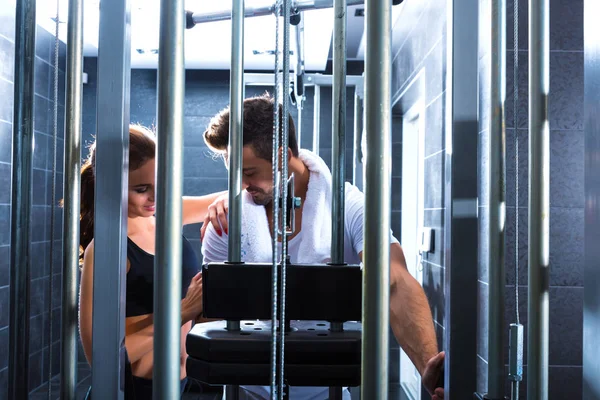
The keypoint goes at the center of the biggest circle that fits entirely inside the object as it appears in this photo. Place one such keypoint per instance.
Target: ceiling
(208, 45)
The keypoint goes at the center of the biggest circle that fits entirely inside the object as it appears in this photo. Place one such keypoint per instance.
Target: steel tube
(299, 6)
(111, 193)
(236, 136)
(357, 159)
(376, 254)
(539, 200)
(73, 110)
(20, 251)
(317, 120)
(497, 206)
(338, 140)
(167, 261)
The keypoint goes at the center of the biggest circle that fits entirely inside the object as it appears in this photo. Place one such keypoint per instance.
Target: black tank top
(140, 278)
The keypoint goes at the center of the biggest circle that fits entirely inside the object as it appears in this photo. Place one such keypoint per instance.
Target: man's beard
(260, 197)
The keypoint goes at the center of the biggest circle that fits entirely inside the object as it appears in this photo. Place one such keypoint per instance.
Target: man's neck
(301, 178)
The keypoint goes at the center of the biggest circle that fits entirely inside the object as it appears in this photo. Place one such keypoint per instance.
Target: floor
(194, 391)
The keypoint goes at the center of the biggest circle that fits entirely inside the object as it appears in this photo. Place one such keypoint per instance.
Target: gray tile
(566, 169)
(435, 219)
(40, 150)
(197, 245)
(42, 115)
(482, 320)
(202, 186)
(7, 58)
(38, 224)
(435, 20)
(37, 335)
(565, 105)
(44, 44)
(397, 225)
(565, 382)
(35, 370)
(192, 231)
(38, 296)
(4, 265)
(57, 256)
(6, 136)
(39, 187)
(433, 284)
(4, 342)
(57, 293)
(394, 365)
(7, 19)
(56, 326)
(6, 100)
(4, 372)
(566, 249)
(5, 183)
(199, 163)
(42, 78)
(510, 241)
(397, 194)
(434, 181)
(566, 326)
(435, 126)
(511, 171)
(4, 306)
(212, 102)
(435, 69)
(5, 222)
(40, 265)
(566, 25)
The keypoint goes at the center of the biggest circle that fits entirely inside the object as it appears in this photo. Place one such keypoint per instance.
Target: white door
(412, 220)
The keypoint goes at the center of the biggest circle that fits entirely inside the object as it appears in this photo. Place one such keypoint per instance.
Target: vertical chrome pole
(22, 164)
(167, 262)
(376, 289)
(357, 159)
(338, 142)
(236, 136)
(497, 207)
(539, 200)
(317, 119)
(73, 111)
(110, 223)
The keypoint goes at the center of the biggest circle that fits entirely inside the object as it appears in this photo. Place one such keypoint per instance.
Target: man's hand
(217, 215)
(431, 376)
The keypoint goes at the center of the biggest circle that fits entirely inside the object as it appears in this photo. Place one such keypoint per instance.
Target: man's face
(257, 177)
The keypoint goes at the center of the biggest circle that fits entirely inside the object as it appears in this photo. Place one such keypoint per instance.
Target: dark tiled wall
(206, 93)
(419, 47)
(566, 189)
(45, 308)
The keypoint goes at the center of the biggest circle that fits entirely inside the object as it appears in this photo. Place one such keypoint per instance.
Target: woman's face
(141, 190)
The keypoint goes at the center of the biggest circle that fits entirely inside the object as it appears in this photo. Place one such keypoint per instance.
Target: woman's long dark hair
(142, 148)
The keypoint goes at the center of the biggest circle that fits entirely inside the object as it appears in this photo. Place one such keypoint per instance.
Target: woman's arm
(137, 344)
(195, 208)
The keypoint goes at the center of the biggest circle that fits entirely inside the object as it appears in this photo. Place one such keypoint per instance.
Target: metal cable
(53, 201)
(284, 180)
(516, 129)
(275, 288)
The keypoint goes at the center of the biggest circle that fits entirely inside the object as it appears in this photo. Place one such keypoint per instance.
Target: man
(410, 315)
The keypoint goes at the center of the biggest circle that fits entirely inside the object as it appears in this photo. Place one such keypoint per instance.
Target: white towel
(315, 246)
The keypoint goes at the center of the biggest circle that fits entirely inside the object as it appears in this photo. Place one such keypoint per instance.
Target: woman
(141, 230)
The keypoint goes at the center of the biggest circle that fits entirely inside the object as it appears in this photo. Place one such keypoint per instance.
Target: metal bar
(539, 200)
(299, 125)
(497, 195)
(167, 261)
(110, 223)
(236, 136)
(357, 157)
(22, 158)
(338, 141)
(73, 109)
(261, 11)
(265, 79)
(591, 296)
(376, 254)
(317, 119)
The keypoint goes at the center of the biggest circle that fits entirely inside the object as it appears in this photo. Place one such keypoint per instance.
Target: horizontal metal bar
(259, 79)
(261, 11)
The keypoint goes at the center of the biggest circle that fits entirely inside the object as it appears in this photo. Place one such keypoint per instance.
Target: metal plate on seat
(309, 343)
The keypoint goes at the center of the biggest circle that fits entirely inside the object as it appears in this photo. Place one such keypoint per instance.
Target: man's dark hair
(258, 128)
